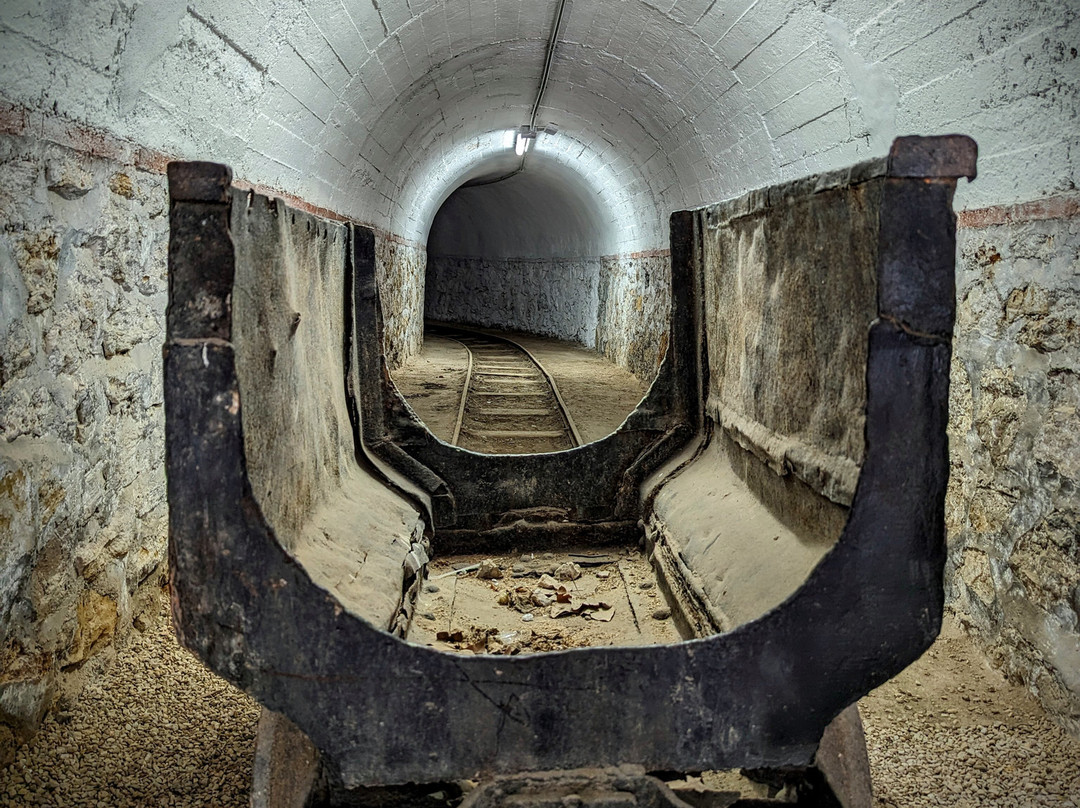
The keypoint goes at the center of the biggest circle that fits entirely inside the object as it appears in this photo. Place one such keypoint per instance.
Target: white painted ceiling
(378, 109)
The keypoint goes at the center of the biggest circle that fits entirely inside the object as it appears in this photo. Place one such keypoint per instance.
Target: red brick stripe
(1054, 207)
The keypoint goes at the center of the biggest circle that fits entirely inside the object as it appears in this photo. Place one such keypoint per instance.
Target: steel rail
(464, 391)
(575, 436)
(561, 407)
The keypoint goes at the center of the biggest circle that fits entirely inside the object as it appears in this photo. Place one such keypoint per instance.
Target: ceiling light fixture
(525, 136)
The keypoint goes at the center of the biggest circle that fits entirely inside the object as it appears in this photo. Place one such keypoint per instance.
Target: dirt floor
(431, 383)
(542, 602)
(950, 730)
(598, 393)
(160, 730)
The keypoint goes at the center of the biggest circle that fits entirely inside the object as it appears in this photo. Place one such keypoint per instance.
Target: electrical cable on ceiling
(549, 57)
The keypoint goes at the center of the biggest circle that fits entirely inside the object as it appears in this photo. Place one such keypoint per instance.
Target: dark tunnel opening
(521, 254)
(531, 255)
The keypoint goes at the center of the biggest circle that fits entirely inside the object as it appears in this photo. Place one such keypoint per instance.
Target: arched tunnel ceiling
(379, 108)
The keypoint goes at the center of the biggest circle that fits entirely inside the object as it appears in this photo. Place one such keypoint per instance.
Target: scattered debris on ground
(599, 597)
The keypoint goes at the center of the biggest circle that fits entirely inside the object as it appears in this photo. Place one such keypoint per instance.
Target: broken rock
(547, 582)
(585, 608)
(568, 571)
(488, 570)
(521, 599)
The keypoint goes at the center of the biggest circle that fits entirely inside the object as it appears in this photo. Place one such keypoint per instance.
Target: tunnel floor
(158, 729)
(597, 392)
(527, 602)
(535, 602)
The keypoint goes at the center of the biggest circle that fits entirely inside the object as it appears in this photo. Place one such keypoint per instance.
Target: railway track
(509, 404)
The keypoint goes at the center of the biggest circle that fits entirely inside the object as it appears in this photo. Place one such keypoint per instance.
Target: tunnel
(542, 231)
(528, 248)
(239, 238)
(537, 230)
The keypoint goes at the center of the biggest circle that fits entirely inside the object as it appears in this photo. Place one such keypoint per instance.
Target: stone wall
(83, 519)
(552, 297)
(1014, 505)
(634, 307)
(399, 271)
(616, 304)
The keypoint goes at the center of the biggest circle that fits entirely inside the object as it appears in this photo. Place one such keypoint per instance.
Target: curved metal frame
(383, 711)
(596, 484)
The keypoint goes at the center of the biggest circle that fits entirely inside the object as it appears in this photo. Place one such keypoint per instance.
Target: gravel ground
(159, 730)
(951, 731)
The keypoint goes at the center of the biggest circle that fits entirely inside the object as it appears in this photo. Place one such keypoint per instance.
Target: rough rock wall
(399, 271)
(616, 304)
(634, 306)
(552, 297)
(83, 519)
(1014, 506)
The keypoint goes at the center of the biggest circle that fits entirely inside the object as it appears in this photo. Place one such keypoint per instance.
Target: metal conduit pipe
(549, 57)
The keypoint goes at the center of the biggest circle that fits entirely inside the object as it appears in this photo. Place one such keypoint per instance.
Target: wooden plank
(516, 394)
